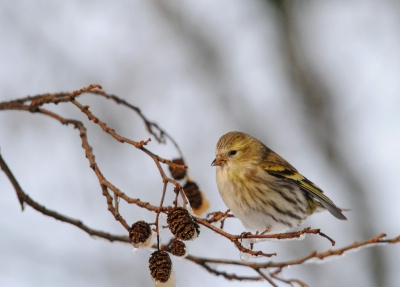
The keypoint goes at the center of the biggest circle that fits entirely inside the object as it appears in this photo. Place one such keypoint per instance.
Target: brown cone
(178, 248)
(160, 266)
(193, 193)
(182, 224)
(178, 173)
(139, 232)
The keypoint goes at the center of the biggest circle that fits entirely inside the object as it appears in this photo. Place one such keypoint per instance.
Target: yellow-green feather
(277, 166)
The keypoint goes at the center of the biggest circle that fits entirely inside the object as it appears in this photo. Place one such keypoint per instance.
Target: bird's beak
(219, 161)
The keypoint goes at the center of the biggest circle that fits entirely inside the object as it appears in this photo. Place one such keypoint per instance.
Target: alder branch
(149, 125)
(279, 266)
(268, 271)
(24, 198)
(203, 262)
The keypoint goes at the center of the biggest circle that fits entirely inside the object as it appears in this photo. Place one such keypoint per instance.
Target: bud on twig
(182, 224)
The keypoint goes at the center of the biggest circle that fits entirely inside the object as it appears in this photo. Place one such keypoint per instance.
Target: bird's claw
(244, 234)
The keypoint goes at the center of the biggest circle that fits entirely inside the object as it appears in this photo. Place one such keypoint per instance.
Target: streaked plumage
(262, 189)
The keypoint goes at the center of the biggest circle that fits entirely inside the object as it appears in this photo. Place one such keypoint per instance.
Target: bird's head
(237, 149)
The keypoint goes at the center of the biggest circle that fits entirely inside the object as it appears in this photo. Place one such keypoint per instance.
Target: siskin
(262, 189)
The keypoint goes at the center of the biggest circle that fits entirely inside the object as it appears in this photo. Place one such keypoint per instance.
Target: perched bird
(262, 189)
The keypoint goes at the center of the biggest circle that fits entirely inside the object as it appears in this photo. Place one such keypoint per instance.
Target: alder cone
(139, 232)
(193, 194)
(182, 224)
(160, 266)
(177, 173)
(178, 248)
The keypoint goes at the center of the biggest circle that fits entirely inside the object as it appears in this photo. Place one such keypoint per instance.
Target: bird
(262, 189)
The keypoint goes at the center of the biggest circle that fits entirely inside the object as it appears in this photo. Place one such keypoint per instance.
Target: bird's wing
(289, 173)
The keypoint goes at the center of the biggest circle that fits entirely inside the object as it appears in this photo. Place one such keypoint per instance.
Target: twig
(269, 280)
(14, 182)
(24, 198)
(149, 125)
(205, 263)
(158, 213)
(290, 281)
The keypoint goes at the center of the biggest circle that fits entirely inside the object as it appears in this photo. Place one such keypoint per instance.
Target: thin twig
(14, 182)
(24, 198)
(158, 214)
(269, 280)
(149, 125)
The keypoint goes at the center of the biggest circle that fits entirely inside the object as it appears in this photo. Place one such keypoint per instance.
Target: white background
(199, 69)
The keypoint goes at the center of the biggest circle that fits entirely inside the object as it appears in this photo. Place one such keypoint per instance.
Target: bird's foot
(265, 231)
(244, 234)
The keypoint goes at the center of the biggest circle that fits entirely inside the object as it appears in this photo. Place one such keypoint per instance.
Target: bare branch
(268, 271)
(24, 198)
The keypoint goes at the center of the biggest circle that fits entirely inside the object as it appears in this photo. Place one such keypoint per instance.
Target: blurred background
(317, 81)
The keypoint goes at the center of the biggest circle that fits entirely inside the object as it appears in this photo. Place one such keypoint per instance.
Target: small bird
(262, 189)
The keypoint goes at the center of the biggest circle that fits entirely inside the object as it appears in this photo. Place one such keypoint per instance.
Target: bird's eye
(232, 152)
